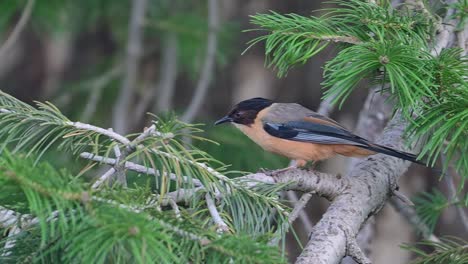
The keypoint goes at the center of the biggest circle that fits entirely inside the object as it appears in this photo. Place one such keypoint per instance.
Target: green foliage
(36, 130)
(461, 13)
(400, 65)
(62, 214)
(75, 223)
(387, 46)
(449, 250)
(293, 39)
(382, 44)
(394, 48)
(446, 119)
(430, 205)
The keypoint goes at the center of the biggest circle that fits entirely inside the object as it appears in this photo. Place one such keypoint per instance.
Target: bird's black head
(246, 111)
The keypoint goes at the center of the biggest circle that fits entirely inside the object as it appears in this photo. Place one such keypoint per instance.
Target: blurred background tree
(109, 62)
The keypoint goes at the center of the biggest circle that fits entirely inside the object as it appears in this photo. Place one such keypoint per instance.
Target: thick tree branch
(371, 182)
(372, 119)
(322, 184)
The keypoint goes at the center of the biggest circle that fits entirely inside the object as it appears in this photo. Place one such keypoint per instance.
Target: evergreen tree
(158, 199)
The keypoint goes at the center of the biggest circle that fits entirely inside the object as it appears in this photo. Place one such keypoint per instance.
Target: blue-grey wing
(306, 131)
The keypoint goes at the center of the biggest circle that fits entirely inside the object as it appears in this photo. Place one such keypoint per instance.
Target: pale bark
(371, 182)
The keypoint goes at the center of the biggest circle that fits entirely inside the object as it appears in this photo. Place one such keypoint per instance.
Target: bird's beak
(223, 120)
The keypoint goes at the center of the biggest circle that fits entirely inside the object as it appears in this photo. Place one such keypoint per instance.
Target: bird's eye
(237, 115)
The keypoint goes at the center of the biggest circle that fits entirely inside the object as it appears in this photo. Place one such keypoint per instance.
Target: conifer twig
(119, 168)
(297, 212)
(217, 219)
(174, 207)
(14, 35)
(106, 176)
(102, 131)
(136, 167)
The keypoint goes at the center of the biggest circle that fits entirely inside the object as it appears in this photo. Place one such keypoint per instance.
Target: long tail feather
(395, 153)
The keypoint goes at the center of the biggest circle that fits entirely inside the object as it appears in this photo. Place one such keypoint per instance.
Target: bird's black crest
(256, 104)
(246, 111)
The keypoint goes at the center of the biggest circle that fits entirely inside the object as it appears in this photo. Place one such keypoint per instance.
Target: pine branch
(106, 132)
(370, 183)
(104, 177)
(372, 119)
(325, 185)
(134, 167)
(450, 250)
(131, 222)
(217, 219)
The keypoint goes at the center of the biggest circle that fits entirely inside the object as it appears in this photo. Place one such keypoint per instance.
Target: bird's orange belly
(291, 149)
(300, 150)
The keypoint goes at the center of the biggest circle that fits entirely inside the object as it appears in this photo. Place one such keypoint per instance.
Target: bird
(300, 134)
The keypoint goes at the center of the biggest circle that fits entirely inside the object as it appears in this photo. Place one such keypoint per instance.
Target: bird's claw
(267, 172)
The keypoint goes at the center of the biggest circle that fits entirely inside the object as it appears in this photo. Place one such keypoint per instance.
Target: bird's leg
(294, 164)
(312, 165)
